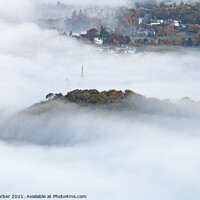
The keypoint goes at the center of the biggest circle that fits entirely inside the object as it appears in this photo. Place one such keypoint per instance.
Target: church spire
(82, 75)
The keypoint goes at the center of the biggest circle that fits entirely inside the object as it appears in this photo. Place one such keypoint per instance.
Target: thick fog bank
(65, 149)
(68, 124)
(102, 155)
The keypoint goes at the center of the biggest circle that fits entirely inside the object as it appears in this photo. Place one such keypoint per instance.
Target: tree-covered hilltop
(93, 96)
(114, 99)
(111, 100)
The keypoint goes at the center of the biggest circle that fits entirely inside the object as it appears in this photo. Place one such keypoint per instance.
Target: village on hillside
(124, 28)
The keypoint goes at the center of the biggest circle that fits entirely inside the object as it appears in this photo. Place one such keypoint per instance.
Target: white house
(155, 23)
(76, 34)
(140, 20)
(98, 41)
(176, 23)
(161, 21)
(83, 32)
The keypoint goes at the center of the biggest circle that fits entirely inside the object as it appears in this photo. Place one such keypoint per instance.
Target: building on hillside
(98, 41)
(151, 33)
(142, 32)
(140, 20)
(83, 32)
(76, 34)
(161, 21)
(176, 23)
(155, 23)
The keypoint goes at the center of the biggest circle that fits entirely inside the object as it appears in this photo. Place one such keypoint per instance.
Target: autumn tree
(160, 31)
(197, 38)
(194, 28)
(167, 42)
(92, 33)
(153, 43)
(128, 93)
(177, 41)
(127, 18)
(169, 30)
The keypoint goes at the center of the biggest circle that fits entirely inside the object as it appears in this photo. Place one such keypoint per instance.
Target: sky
(105, 156)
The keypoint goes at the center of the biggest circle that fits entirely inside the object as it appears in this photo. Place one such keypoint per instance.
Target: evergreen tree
(159, 41)
(189, 42)
(104, 34)
(128, 39)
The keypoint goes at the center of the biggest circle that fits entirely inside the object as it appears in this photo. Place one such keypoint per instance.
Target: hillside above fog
(112, 101)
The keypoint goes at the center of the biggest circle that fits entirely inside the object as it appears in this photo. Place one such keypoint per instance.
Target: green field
(181, 34)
